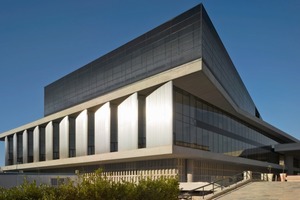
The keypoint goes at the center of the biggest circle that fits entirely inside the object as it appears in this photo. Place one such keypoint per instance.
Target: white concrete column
(247, 175)
(190, 171)
(49, 141)
(159, 116)
(25, 146)
(102, 129)
(81, 133)
(15, 142)
(64, 138)
(36, 144)
(128, 123)
(6, 151)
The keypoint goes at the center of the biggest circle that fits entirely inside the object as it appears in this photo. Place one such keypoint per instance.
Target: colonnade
(107, 128)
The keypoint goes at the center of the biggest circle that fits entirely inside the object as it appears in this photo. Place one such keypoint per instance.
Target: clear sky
(41, 41)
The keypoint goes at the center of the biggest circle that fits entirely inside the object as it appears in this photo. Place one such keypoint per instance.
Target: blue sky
(41, 41)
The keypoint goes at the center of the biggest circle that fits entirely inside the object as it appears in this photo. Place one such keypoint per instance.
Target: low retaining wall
(293, 178)
(8, 180)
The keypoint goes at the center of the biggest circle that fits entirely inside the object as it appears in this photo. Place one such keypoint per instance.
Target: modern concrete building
(167, 103)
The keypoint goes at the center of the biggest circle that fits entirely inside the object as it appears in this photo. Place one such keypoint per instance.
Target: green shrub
(160, 189)
(96, 186)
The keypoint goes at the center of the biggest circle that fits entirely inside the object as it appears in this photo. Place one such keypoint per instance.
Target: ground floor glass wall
(199, 125)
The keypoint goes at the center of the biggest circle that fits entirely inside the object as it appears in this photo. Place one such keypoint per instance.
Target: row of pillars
(110, 124)
(54, 139)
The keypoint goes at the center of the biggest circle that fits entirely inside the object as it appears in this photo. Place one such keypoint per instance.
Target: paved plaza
(265, 191)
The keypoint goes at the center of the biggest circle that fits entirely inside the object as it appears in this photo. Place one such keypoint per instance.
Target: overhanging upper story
(185, 38)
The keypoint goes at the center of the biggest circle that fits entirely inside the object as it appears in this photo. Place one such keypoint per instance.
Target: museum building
(167, 103)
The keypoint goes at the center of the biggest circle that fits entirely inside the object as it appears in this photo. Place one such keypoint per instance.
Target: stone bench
(293, 178)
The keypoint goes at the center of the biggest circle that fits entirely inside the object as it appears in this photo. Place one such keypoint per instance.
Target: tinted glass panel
(199, 125)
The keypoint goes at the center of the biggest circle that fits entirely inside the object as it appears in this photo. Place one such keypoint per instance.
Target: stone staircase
(264, 191)
(246, 185)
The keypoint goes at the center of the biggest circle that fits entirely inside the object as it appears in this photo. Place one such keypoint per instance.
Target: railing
(219, 184)
(225, 183)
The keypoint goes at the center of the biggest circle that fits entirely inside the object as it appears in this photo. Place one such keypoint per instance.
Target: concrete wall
(159, 120)
(81, 131)
(128, 123)
(8, 180)
(102, 129)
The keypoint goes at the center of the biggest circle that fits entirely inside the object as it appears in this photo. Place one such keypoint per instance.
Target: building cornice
(97, 159)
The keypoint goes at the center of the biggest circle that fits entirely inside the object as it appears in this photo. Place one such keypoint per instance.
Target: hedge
(95, 187)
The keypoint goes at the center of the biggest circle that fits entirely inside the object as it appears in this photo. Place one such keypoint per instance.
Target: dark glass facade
(91, 133)
(42, 143)
(176, 42)
(72, 148)
(19, 148)
(30, 146)
(56, 140)
(10, 150)
(199, 125)
(187, 37)
(217, 59)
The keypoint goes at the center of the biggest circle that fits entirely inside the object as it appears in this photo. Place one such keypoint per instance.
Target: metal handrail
(224, 182)
(220, 184)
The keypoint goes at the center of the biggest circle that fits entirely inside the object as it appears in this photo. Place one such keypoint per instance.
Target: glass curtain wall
(42, 144)
(199, 125)
(30, 146)
(91, 133)
(55, 140)
(19, 148)
(10, 150)
(72, 146)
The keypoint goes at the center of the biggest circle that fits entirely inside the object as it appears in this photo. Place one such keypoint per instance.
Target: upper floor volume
(187, 37)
